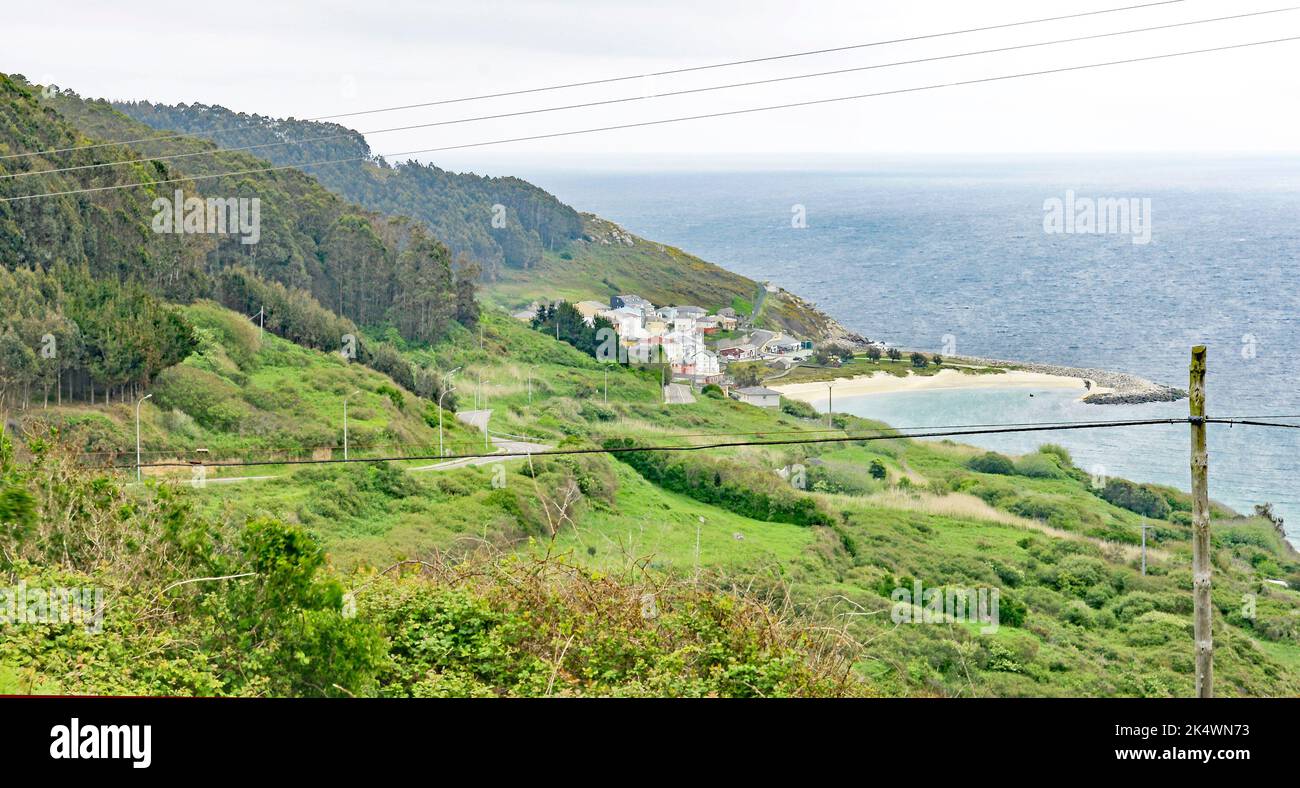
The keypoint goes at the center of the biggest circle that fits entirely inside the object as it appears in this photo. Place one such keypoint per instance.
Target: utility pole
(530, 387)
(1145, 528)
(606, 385)
(830, 405)
(261, 322)
(137, 435)
(445, 392)
(698, 527)
(345, 424)
(1201, 629)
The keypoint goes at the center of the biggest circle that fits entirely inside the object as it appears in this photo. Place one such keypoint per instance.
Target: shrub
(1079, 614)
(992, 462)
(731, 485)
(1138, 498)
(210, 400)
(1059, 451)
(1039, 466)
(798, 409)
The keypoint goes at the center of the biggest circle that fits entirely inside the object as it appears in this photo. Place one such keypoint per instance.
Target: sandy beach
(885, 383)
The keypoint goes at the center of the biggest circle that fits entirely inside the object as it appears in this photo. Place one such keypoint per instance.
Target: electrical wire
(663, 121)
(627, 99)
(700, 447)
(647, 75)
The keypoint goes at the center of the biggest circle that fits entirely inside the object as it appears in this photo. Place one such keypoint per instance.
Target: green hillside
(245, 395)
(1078, 617)
(540, 249)
(757, 570)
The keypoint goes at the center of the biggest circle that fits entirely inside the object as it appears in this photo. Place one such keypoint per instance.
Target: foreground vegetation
(822, 549)
(765, 569)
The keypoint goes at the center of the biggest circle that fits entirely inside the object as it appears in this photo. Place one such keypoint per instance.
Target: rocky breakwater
(1116, 388)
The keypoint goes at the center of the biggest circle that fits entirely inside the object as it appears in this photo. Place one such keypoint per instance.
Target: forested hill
(458, 208)
(92, 271)
(538, 249)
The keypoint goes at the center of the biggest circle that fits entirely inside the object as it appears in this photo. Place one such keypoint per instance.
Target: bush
(1059, 451)
(714, 391)
(1079, 614)
(1138, 498)
(798, 409)
(992, 462)
(210, 400)
(733, 486)
(1039, 466)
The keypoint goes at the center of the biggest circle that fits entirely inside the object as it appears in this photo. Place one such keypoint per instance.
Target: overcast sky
(308, 59)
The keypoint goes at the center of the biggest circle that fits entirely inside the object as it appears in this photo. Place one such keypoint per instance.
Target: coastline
(885, 383)
(1108, 388)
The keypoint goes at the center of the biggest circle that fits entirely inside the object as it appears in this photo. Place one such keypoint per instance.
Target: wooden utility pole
(1202, 633)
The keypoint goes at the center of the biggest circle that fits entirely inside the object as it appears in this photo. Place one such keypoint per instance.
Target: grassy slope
(1094, 625)
(612, 261)
(247, 396)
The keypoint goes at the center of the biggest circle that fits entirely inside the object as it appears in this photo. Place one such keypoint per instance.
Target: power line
(1252, 423)
(629, 99)
(700, 447)
(905, 432)
(648, 75)
(663, 121)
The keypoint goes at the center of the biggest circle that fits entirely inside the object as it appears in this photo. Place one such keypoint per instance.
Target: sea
(996, 257)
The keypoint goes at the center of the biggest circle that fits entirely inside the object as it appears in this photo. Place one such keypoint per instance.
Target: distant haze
(309, 59)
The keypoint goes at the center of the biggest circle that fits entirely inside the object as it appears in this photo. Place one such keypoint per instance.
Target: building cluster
(673, 334)
(696, 344)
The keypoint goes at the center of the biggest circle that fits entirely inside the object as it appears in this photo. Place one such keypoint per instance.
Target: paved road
(678, 394)
(502, 446)
(478, 419)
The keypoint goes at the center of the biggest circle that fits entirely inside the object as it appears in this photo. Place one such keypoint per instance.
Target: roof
(758, 391)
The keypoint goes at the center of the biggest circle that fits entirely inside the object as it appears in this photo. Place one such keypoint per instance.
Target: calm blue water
(911, 251)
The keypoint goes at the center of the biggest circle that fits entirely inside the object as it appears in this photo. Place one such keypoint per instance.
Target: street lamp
(137, 435)
(1144, 546)
(445, 392)
(345, 423)
(483, 407)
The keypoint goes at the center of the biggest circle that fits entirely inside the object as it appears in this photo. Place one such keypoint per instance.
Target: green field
(1058, 553)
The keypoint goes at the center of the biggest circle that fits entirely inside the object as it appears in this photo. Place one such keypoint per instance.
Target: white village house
(759, 396)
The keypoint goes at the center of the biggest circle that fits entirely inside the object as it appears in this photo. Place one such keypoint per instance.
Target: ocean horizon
(960, 256)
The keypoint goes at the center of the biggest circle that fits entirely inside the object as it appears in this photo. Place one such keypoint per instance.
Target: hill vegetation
(754, 570)
(527, 244)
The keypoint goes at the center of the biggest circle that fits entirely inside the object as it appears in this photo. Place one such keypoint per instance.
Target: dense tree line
(87, 279)
(108, 233)
(373, 270)
(296, 316)
(495, 222)
(573, 328)
(67, 334)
